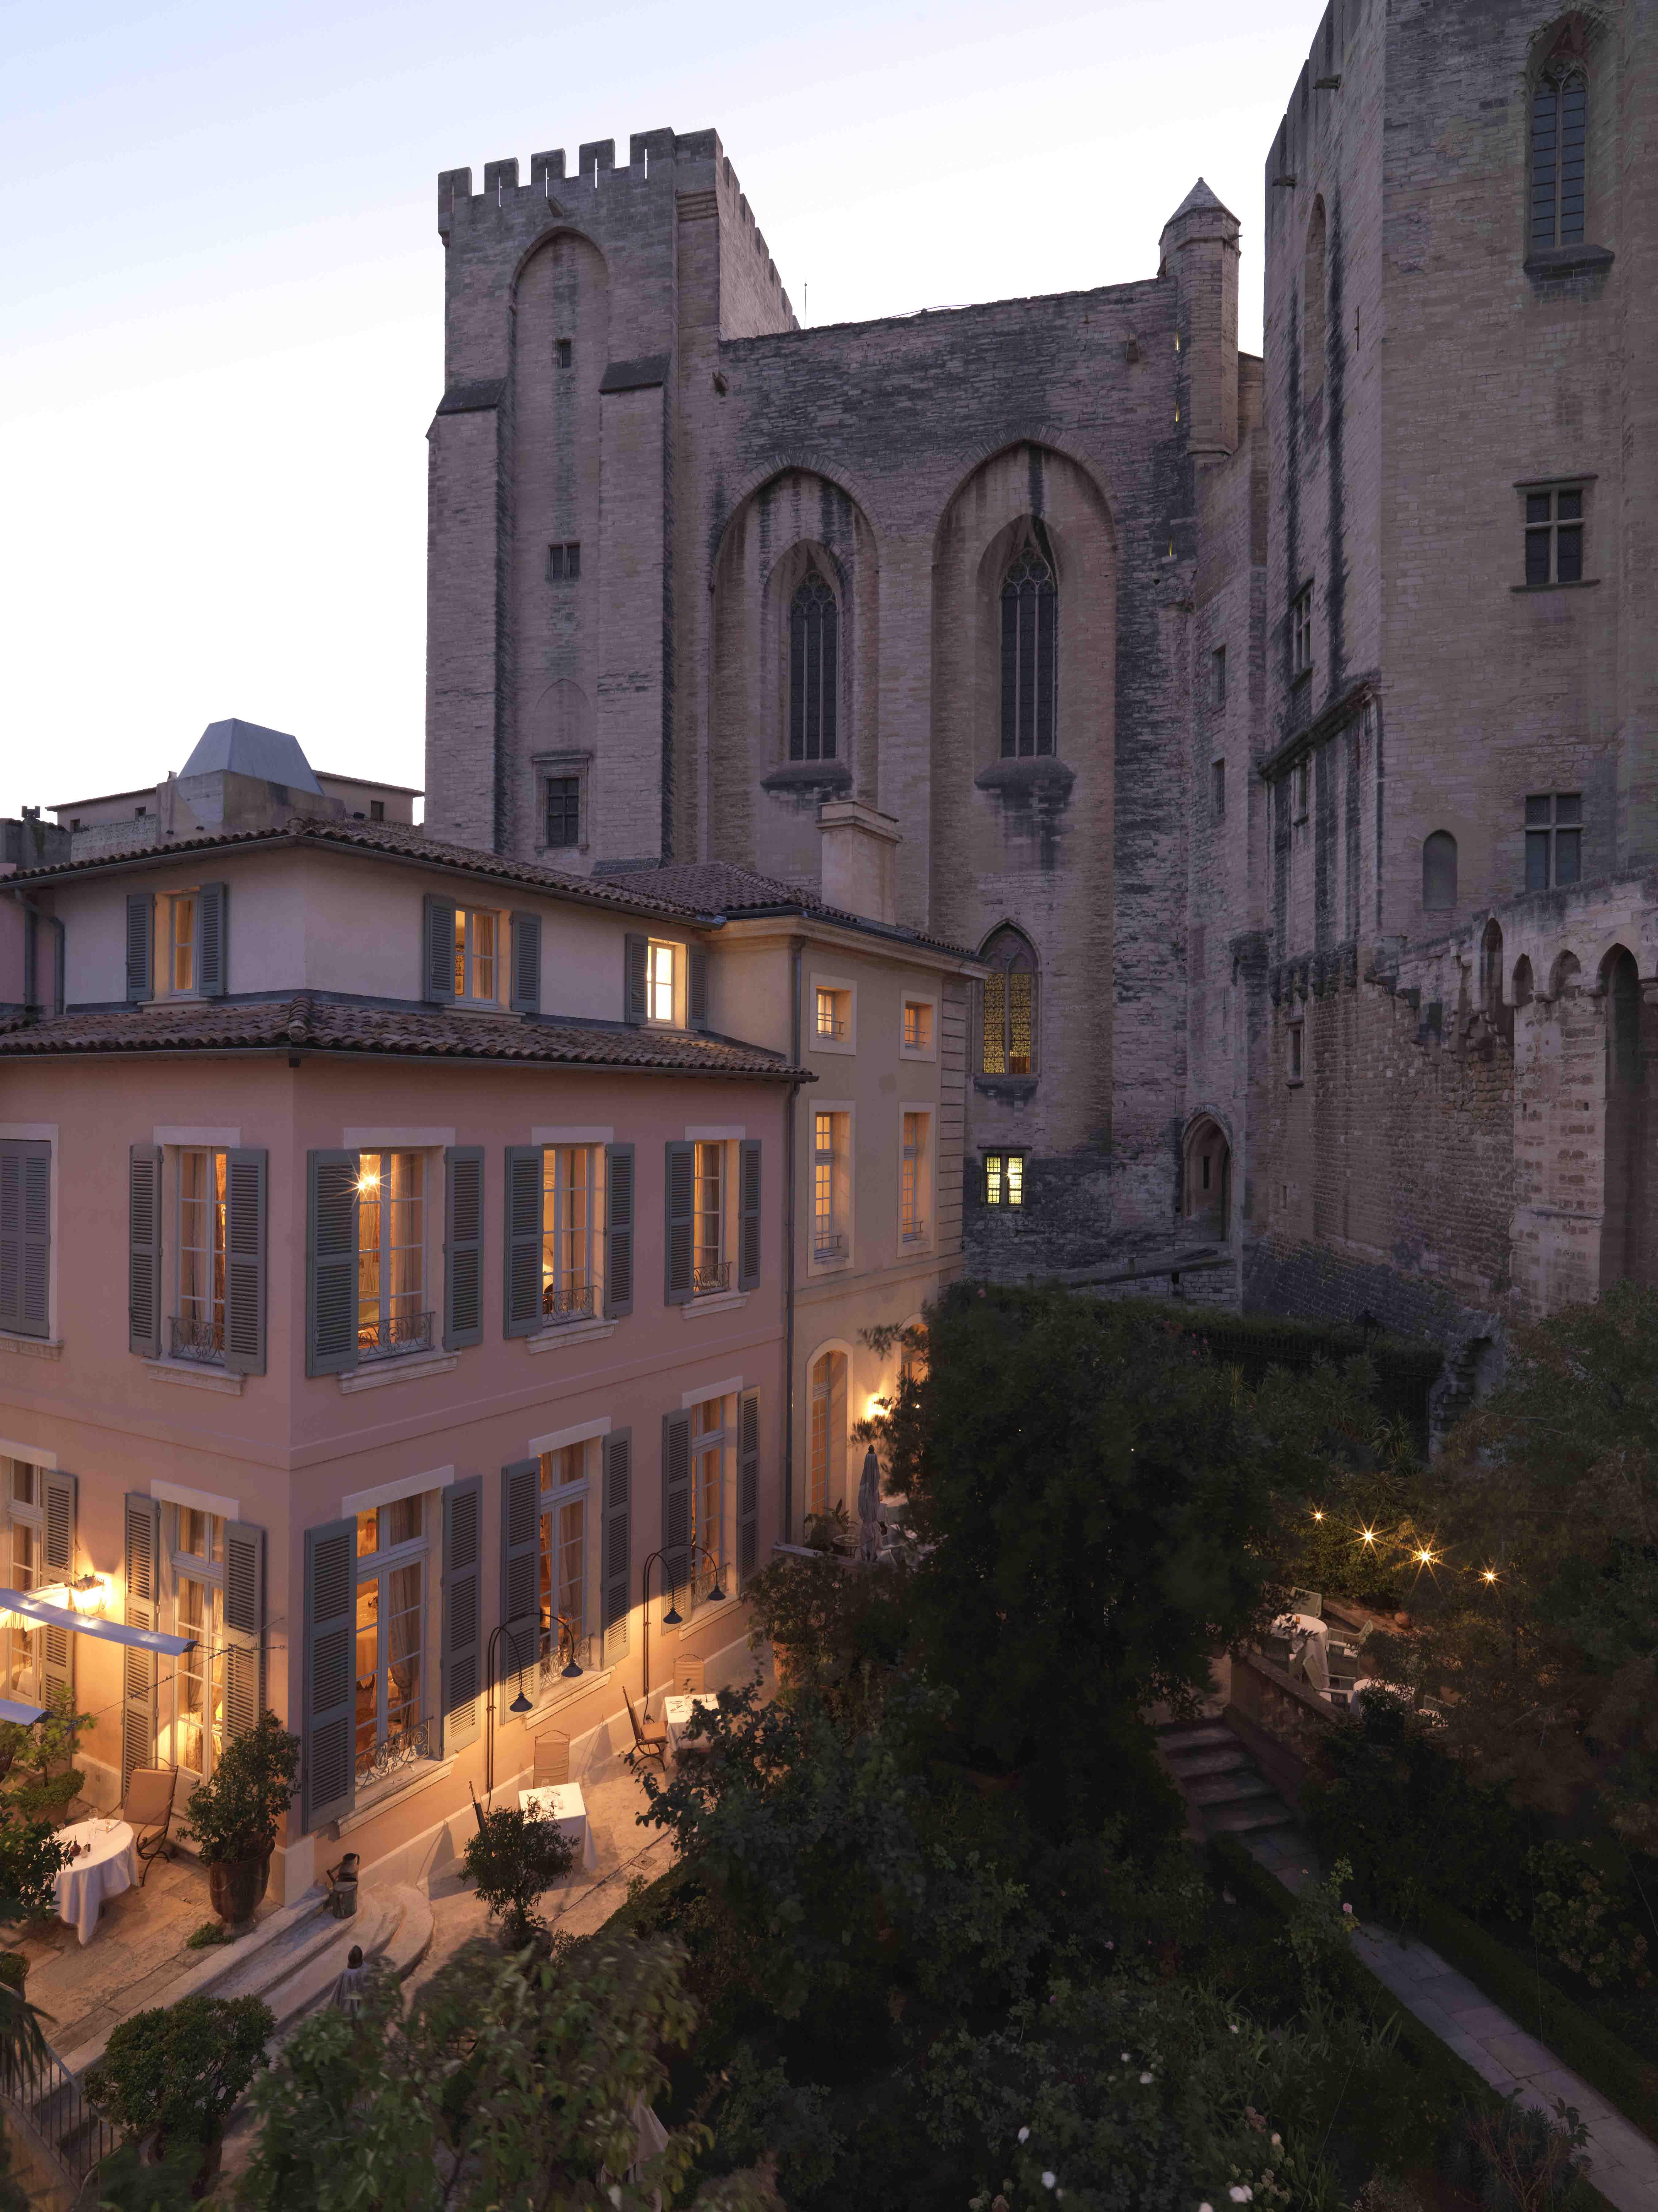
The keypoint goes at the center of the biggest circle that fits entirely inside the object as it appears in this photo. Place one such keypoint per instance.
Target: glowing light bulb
(368, 1182)
(1488, 1575)
(1369, 1536)
(1317, 1514)
(1426, 1558)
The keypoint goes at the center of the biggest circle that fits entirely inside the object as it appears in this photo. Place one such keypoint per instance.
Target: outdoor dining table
(677, 1712)
(106, 1865)
(1309, 1643)
(563, 1803)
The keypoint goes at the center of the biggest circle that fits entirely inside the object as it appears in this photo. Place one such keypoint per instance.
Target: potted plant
(513, 1858)
(170, 2076)
(236, 1815)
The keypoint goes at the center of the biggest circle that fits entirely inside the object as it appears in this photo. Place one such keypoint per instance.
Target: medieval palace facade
(1280, 732)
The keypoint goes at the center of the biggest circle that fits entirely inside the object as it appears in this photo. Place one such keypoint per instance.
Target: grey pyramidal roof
(1198, 200)
(249, 749)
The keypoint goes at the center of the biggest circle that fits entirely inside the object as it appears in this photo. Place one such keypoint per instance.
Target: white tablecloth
(111, 1866)
(563, 1803)
(677, 1712)
(1309, 1643)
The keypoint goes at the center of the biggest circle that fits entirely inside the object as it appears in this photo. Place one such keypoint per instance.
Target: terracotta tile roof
(716, 887)
(311, 1023)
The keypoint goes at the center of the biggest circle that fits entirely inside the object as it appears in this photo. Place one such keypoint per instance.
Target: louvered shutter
(58, 1562)
(463, 1246)
(526, 964)
(438, 949)
(747, 1227)
(463, 1611)
(144, 1251)
(617, 1574)
(245, 1178)
(212, 939)
(521, 1295)
(678, 1246)
(140, 946)
(636, 957)
(520, 1578)
(331, 1306)
(26, 1236)
(696, 991)
(748, 1485)
(677, 1565)
(618, 1230)
(244, 1626)
(57, 965)
(329, 1773)
(143, 1552)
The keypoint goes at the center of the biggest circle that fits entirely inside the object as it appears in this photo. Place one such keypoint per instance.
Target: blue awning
(94, 1625)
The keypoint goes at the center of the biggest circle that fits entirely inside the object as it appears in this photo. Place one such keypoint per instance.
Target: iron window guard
(394, 1752)
(832, 1247)
(394, 1335)
(565, 1303)
(197, 1340)
(705, 1280)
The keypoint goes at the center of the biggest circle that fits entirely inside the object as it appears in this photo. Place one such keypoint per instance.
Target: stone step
(1230, 1788)
(1193, 1735)
(1243, 1819)
(1192, 1766)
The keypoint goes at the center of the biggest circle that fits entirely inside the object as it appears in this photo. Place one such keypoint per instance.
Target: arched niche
(763, 800)
(1206, 1179)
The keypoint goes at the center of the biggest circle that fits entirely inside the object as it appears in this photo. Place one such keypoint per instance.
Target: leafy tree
(176, 2070)
(514, 1857)
(237, 1812)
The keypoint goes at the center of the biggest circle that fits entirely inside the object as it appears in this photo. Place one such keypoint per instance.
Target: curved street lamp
(521, 1705)
(672, 1617)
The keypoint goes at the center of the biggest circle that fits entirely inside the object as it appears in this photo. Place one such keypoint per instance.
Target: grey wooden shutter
(463, 1246)
(618, 1230)
(617, 1569)
(245, 1182)
(438, 949)
(328, 1774)
(143, 1554)
(748, 1226)
(526, 964)
(463, 1611)
(637, 956)
(56, 966)
(696, 989)
(330, 1269)
(140, 946)
(748, 1485)
(678, 1565)
(521, 1295)
(25, 1235)
(244, 1625)
(58, 1559)
(678, 1244)
(144, 1250)
(212, 939)
(520, 1577)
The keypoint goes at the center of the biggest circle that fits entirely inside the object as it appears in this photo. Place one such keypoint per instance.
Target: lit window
(391, 1731)
(1008, 1046)
(918, 1025)
(1554, 537)
(830, 1183)
(23, 1646)
(658, 982)
(565, 1476)
(1554, 840)
(569, 1215)
(710, 1269)
(912, 1185)
(826, 1472)
(392, 1254)
(1004, 1179)
(199, 1325)
(198, 1685)
(1301, 628)
(708, 1490)
(475, 955)
(834, 1019)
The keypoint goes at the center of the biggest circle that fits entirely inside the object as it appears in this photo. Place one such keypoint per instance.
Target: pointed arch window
(1030, 655)
(1007, 1040)
(1559, 146)
(814, 669)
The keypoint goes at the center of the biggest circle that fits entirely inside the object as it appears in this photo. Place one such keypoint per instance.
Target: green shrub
(1583, 1921)
(513, 1857)
(235, 1814)
(176, 2071)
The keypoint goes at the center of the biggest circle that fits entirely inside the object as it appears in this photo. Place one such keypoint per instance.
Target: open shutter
(636, 955)
(212, 938)
(140, 946)
(526, 964)
(696, 991)
(25, 1235)
(747, 1227)
(244, 1625)
(144, 1251)
(618, 1230)
(463, 1611)
(520, 1577)
(329, 1771)
(245, 1175)
(463, 1246)
(748, 1485)
(617, 1570)
(57, 1561)
(330, 1269)
(143, 1551)
(677, 1565)
(680, 1181)
(58, 963)
(521, 1298)
(438, 949)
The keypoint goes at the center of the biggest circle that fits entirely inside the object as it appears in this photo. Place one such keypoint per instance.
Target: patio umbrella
(869, 1506)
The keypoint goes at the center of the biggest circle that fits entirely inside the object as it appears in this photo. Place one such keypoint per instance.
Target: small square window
(1217, 789)
(377, 810)
(563, 810)
(564, 563)
(1554, 537)
(1554, 840)
(1004, 1179)
(1217, 676)
(918, 1025)
(563, 347)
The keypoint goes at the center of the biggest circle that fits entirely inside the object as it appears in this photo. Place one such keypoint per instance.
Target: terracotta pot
(236, 1885)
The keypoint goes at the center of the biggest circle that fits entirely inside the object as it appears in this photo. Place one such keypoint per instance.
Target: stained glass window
(1008, 1028)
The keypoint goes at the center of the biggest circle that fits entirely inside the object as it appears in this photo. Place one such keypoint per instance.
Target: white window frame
(197, 1567)
(212, 1353)
(431, 1196)
(33, 1518)
(379, 1565)
(467, 956)
(554, 1229)
(829, 1259)
(675, 985)
(720, 1440)
(920, 1238)
(584, 1490)
(930, 1005)
(846, 987)
(170, 947)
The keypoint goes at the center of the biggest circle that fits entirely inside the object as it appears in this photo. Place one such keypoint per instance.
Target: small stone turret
(1199, 250)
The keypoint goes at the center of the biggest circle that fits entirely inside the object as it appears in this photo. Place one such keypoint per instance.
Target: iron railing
(561, 1304)
(830, 1029)
(828, 1245)
(394, 1752)
(50, 2098)
(714, 1276)
(911, 1228)
(393, 1334)
(197, 1340)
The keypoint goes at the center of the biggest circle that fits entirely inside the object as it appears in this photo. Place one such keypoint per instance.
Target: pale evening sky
(222, 312)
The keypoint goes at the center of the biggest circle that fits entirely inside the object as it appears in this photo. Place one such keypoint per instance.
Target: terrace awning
(25, 1715)
(35, 1609)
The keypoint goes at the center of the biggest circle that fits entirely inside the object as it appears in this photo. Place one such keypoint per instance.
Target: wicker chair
(552, 1758)
(148, 1805)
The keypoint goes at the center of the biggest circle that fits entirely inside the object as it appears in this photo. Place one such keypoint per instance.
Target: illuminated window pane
(183, 943)
(994, 1056)
(708, 1219)
(1020, 1027)
(1015, 1179)
(658, 983)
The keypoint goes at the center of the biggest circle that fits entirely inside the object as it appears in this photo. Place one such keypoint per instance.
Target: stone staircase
(1226, 1793)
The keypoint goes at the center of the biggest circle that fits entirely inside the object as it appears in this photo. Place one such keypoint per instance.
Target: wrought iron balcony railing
(562, 1301)
(394, 1334)
(829, 1244)
(912, 1228)
(394, 1752)
(197, 1340)
(715, 1275)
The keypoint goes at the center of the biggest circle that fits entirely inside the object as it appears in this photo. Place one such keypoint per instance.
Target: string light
(1318, 1513)
(1488, 1574)
(1426, 1558)
(1369, 1536)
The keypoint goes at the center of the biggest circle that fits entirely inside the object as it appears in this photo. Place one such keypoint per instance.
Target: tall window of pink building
(392, 1303)
(199, 1325)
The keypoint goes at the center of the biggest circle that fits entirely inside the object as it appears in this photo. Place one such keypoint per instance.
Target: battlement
(1319, 84)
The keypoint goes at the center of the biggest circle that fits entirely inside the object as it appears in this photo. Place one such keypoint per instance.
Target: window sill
(1016, 1089)
(481, 1009)
(808, 775)
(915, 1052)
(409, 1369)
(722, 1302)
(195, 1375)
(1568, 260)
(815, 1043)
(1026, 775)
(1571, 584)
(391, 1793)
(32, 1347)
(569, 1331)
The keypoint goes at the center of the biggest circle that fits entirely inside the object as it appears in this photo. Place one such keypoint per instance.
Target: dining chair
(1308, 1602)
(148, 1805)
(688, 1675)
(552, 1758)
(651, 1739)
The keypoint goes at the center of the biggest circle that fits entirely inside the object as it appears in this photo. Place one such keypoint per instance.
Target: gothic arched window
(1030, 655)
(1007, 1043)
(814, 669)
(1559, 135)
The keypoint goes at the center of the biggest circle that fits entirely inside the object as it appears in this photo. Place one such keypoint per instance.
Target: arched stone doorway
(1206, 1208)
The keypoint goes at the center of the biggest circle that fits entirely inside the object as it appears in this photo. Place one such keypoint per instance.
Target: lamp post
(521, 1705)
(672, 1617)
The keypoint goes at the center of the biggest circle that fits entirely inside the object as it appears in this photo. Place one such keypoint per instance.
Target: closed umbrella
(869, 1506)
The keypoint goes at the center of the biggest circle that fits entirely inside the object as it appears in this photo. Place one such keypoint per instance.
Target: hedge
(1406, 1372)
